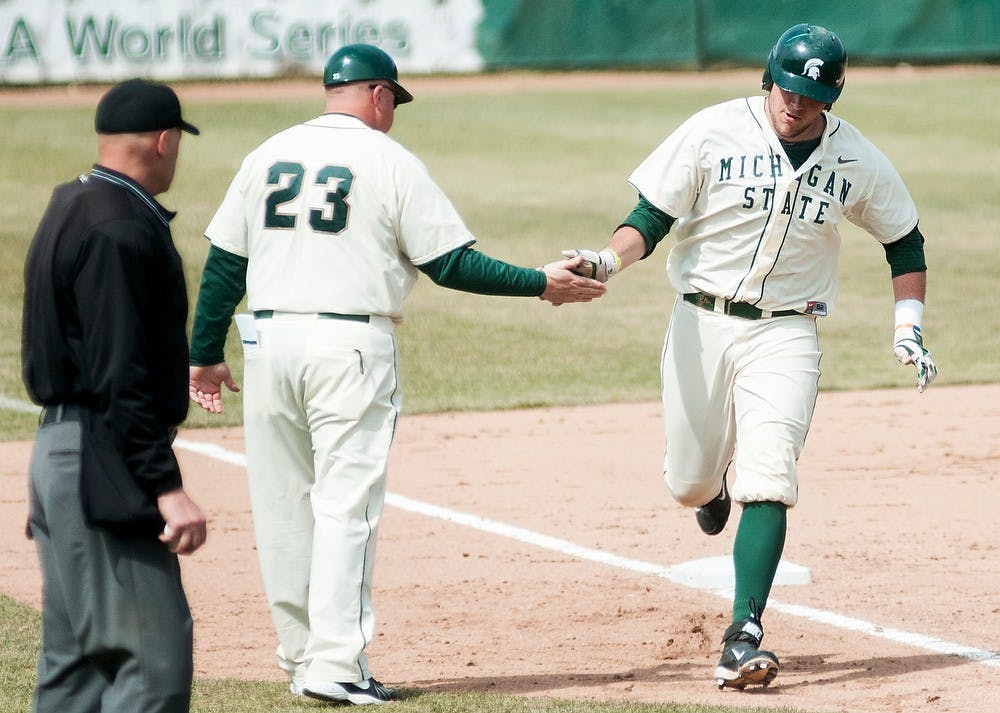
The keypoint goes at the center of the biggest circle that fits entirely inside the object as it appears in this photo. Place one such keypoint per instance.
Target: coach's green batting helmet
(808, 60)
(358, 62)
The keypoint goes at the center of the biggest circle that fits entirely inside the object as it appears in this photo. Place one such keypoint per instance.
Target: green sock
(760, 539)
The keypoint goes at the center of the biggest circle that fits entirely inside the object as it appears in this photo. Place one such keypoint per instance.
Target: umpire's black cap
(137, 105)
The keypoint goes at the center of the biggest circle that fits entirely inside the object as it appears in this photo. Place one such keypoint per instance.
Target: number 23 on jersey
(329, 217)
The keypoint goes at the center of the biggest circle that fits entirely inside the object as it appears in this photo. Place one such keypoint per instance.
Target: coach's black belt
(736, 309)
(59, 413)
(268, 313)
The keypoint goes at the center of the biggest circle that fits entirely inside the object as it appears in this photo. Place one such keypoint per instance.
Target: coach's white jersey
(752, 229)
(333, 216)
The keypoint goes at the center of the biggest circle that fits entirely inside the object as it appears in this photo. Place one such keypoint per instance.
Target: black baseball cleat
(713, 516)
(363, 693)
(743, 663)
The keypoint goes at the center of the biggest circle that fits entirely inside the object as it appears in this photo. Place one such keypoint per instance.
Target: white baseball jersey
(750, 228)
(333, 216)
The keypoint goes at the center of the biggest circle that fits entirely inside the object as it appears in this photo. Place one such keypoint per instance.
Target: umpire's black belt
(736, 309)
(268, 313)
(59, 413)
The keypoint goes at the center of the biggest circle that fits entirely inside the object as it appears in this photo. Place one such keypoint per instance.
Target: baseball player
(325, 228)
(755, 190)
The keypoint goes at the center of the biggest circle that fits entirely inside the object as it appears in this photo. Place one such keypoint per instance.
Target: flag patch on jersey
(816, 308)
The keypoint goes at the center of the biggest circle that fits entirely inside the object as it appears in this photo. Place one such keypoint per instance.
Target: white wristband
(909, 313)
(612, 263)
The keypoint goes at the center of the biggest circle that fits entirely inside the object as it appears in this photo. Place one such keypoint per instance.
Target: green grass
(538, 171)
(19, 641)
(533, 173)
(217, 696)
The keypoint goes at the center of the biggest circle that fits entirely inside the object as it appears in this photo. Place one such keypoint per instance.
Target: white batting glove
(908, 346)
(597, 266)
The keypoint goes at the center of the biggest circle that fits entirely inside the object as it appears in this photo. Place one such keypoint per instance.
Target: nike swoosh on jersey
(842, 160)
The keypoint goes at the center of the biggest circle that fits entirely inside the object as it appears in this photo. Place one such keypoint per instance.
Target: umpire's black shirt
(105, 317)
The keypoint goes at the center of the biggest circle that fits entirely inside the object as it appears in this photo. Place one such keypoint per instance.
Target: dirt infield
(896, 523)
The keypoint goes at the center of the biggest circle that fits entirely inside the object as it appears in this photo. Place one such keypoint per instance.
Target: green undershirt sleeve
(906, 254)
(651, 222)
(223, 284)
(468, 270)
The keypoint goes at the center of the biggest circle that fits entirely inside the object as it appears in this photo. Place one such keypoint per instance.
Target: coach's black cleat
(713, 516)
(364, 693)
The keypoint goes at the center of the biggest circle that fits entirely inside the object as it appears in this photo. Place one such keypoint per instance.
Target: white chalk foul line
(920, 641)
(555, 544)
(212, 451)
(990, 658)
(9, 404)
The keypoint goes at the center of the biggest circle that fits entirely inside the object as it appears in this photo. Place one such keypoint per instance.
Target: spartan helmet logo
(811, 68)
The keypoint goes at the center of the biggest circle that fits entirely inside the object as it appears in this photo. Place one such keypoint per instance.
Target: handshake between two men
(580, 277)
(574, 279)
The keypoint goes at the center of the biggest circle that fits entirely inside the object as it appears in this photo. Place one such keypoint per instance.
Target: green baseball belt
(269, 313)
(744, 310)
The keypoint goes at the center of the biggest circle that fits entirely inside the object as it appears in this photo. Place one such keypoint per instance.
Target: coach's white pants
(736, 390)
(320, 407)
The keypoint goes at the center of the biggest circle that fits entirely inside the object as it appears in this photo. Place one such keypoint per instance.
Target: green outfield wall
(705, 33)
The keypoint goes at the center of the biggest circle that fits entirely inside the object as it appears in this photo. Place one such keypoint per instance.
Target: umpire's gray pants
(116, 629)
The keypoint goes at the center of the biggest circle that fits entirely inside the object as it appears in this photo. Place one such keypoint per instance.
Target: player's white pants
(320, 407)
(736, 387)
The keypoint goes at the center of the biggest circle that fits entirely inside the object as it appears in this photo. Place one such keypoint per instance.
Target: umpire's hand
(205, 385)
(186, 527)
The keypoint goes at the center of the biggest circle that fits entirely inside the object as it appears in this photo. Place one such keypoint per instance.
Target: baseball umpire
(325, 228)
(105, 352)
(755, 190)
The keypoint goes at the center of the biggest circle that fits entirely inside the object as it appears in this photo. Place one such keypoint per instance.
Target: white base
(717, 573)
